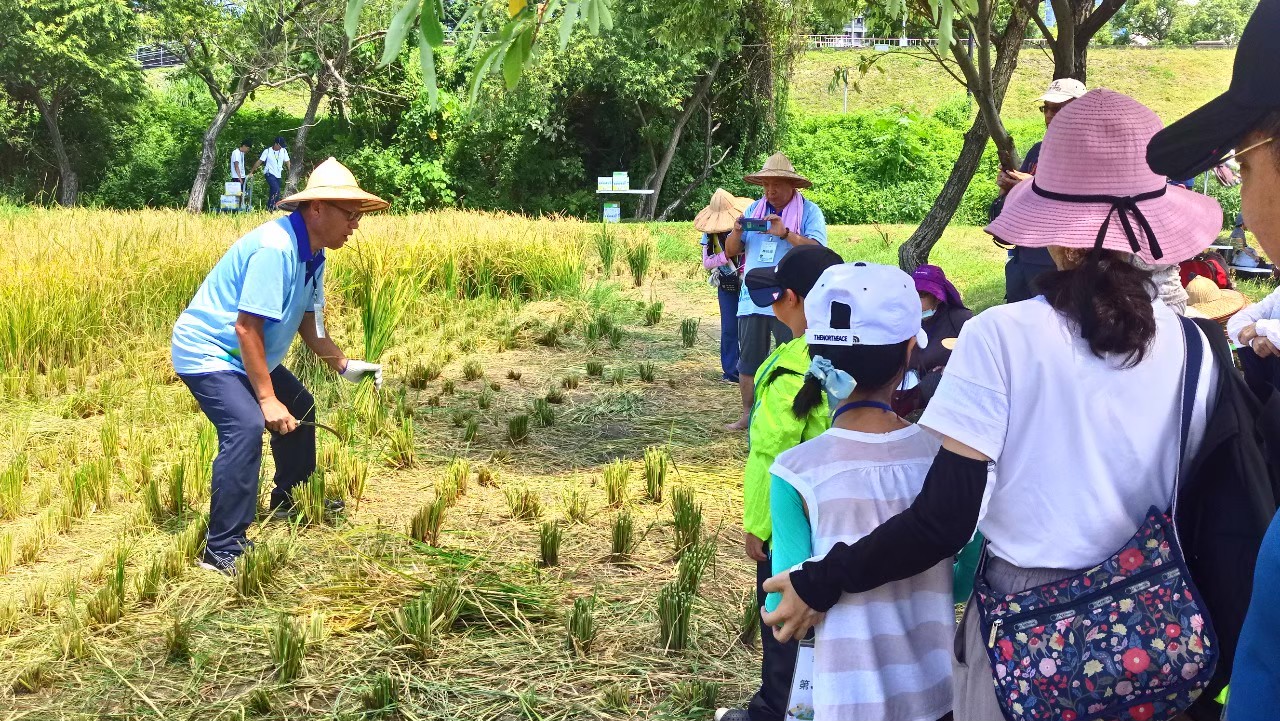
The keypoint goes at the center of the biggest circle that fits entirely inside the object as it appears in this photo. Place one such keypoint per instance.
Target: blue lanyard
(861, 404)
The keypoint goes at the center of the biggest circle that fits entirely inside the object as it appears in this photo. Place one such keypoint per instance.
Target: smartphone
(752, 224)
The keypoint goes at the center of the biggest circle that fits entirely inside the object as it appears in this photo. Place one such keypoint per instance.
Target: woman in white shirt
(1073, 397)
(1256, 329)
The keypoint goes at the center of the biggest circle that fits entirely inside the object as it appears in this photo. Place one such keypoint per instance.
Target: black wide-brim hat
(1206, 137)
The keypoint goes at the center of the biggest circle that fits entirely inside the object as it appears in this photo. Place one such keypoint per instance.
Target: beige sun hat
(1206, 298)
(720, 214)
(778, 166)
(332, 181)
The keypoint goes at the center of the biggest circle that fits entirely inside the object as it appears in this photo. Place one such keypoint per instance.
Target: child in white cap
(885, 654)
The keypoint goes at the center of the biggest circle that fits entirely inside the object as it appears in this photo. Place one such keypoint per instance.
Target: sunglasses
(1236, 154)
(352, 215)
(1046, 109)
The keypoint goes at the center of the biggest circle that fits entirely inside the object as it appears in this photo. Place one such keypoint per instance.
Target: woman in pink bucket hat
(1062, 419)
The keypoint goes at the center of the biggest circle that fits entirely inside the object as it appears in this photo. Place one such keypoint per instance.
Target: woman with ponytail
(863, 324)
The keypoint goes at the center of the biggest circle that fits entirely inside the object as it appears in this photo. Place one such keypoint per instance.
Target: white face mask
(926, 315)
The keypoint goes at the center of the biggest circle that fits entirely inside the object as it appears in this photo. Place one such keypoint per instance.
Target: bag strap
(1190, 384)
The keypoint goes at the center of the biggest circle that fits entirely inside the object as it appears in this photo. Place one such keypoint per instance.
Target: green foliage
(582, 628)
(549, 538)
(622, 537)
(656, 460)
(675, 611)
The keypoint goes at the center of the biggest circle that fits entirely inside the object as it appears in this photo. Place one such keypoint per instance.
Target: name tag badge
(768, 252)
(319, 314)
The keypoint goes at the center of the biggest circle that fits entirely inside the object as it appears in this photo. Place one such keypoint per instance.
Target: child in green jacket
(774, 429)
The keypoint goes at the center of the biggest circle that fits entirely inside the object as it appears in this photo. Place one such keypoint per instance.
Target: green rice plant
(254, 570)
(382, 303)
(607, 248)
(616, 697)
(694, 697)
(689, 332)
(616, 336)
(647, 371)
(190, 543)
(177, 638)
(518, 428)
(420, 373)
(469, 433)
(415, 625)
(448, 387)
(693, 564)
(105, 607)
(749, 621)
(33, 545)
(33, 678)
(433, 401)
(570, 382)
(509, 339)
(460, 417)
(9, 615)
(71, 640)
(109, 437)
(623, 537)
(425, 524)
(599, 327)
(687, 516)
(152, 505)
(582, 629)
(542, 412)
(616, 475)
(35, 596)
(529, 705)
(549, 538)
(639, 257)
(485, 399)
(595, 369)
(458, 473)
(357, 476)
(514, 375)
(402, 409)
(656, 460)
(472, 370)
(446, 603)
(147, 584)
(259, 702)
(12, 479)
(575, 504)
(555, 395)
(675, 610)
(653, 313)
(309, 499)
(400, 449)
(177, 489)
(617, 375)
(484, 477)
(288, 644)
(381, 696)
(6, 553)
(549, 337)
(523, 504)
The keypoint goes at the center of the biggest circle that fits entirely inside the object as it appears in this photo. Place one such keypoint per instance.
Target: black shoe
(223, 562)
(732, 714)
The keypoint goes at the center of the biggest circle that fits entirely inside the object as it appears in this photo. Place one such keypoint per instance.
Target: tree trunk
(68, 181)
(298, 155)
(209, 151)
(915, 251)
(650, 202)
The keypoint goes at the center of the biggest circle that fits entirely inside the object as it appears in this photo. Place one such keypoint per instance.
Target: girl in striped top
(885, 654)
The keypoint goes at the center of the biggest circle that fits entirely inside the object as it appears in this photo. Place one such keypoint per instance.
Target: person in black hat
(1244, 123)
(276, 158)
(775, 428)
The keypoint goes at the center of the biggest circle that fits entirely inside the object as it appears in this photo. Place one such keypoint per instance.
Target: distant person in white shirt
(240, 168)
(1256, 329)
(276, 158)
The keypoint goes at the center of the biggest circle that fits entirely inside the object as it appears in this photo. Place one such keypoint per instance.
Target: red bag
(1209, 265)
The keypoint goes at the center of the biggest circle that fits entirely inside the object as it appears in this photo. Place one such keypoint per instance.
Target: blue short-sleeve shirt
(812, 225)
(271, 273)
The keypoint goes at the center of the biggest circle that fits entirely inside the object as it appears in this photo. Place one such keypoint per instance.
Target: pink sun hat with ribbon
(1093, 187)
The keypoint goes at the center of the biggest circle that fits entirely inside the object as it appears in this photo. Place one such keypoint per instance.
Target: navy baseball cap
(1207, 136)
(798, 271)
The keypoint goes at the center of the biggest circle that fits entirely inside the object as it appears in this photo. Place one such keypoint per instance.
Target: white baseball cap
(863, 304)
(1064, 89)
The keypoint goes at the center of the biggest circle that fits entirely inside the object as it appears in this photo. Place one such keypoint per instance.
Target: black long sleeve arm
(936, 526)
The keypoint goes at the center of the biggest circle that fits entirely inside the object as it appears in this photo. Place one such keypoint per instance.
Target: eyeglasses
(352, 215)
(1046, 109)
(1236, 154)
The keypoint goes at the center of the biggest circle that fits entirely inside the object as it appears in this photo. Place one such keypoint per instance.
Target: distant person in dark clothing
(1025, 264)
(943, 313)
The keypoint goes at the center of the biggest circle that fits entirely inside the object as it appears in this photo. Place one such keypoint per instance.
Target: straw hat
(1093, 168)
(332, 181)
(1206, 298)
(719, 215)
(780, 167)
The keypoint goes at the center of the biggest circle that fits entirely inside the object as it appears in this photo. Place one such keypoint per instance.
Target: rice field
(542, 513)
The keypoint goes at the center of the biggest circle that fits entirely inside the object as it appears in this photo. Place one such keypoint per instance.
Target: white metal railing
(156, 56)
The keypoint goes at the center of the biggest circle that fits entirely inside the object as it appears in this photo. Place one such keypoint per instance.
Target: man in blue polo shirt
(792, 220)
(228, 346)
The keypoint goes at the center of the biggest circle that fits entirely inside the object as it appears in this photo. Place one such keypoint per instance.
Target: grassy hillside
(1171, 81)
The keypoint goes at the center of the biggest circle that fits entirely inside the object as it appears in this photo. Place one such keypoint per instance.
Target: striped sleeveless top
(883, 655)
